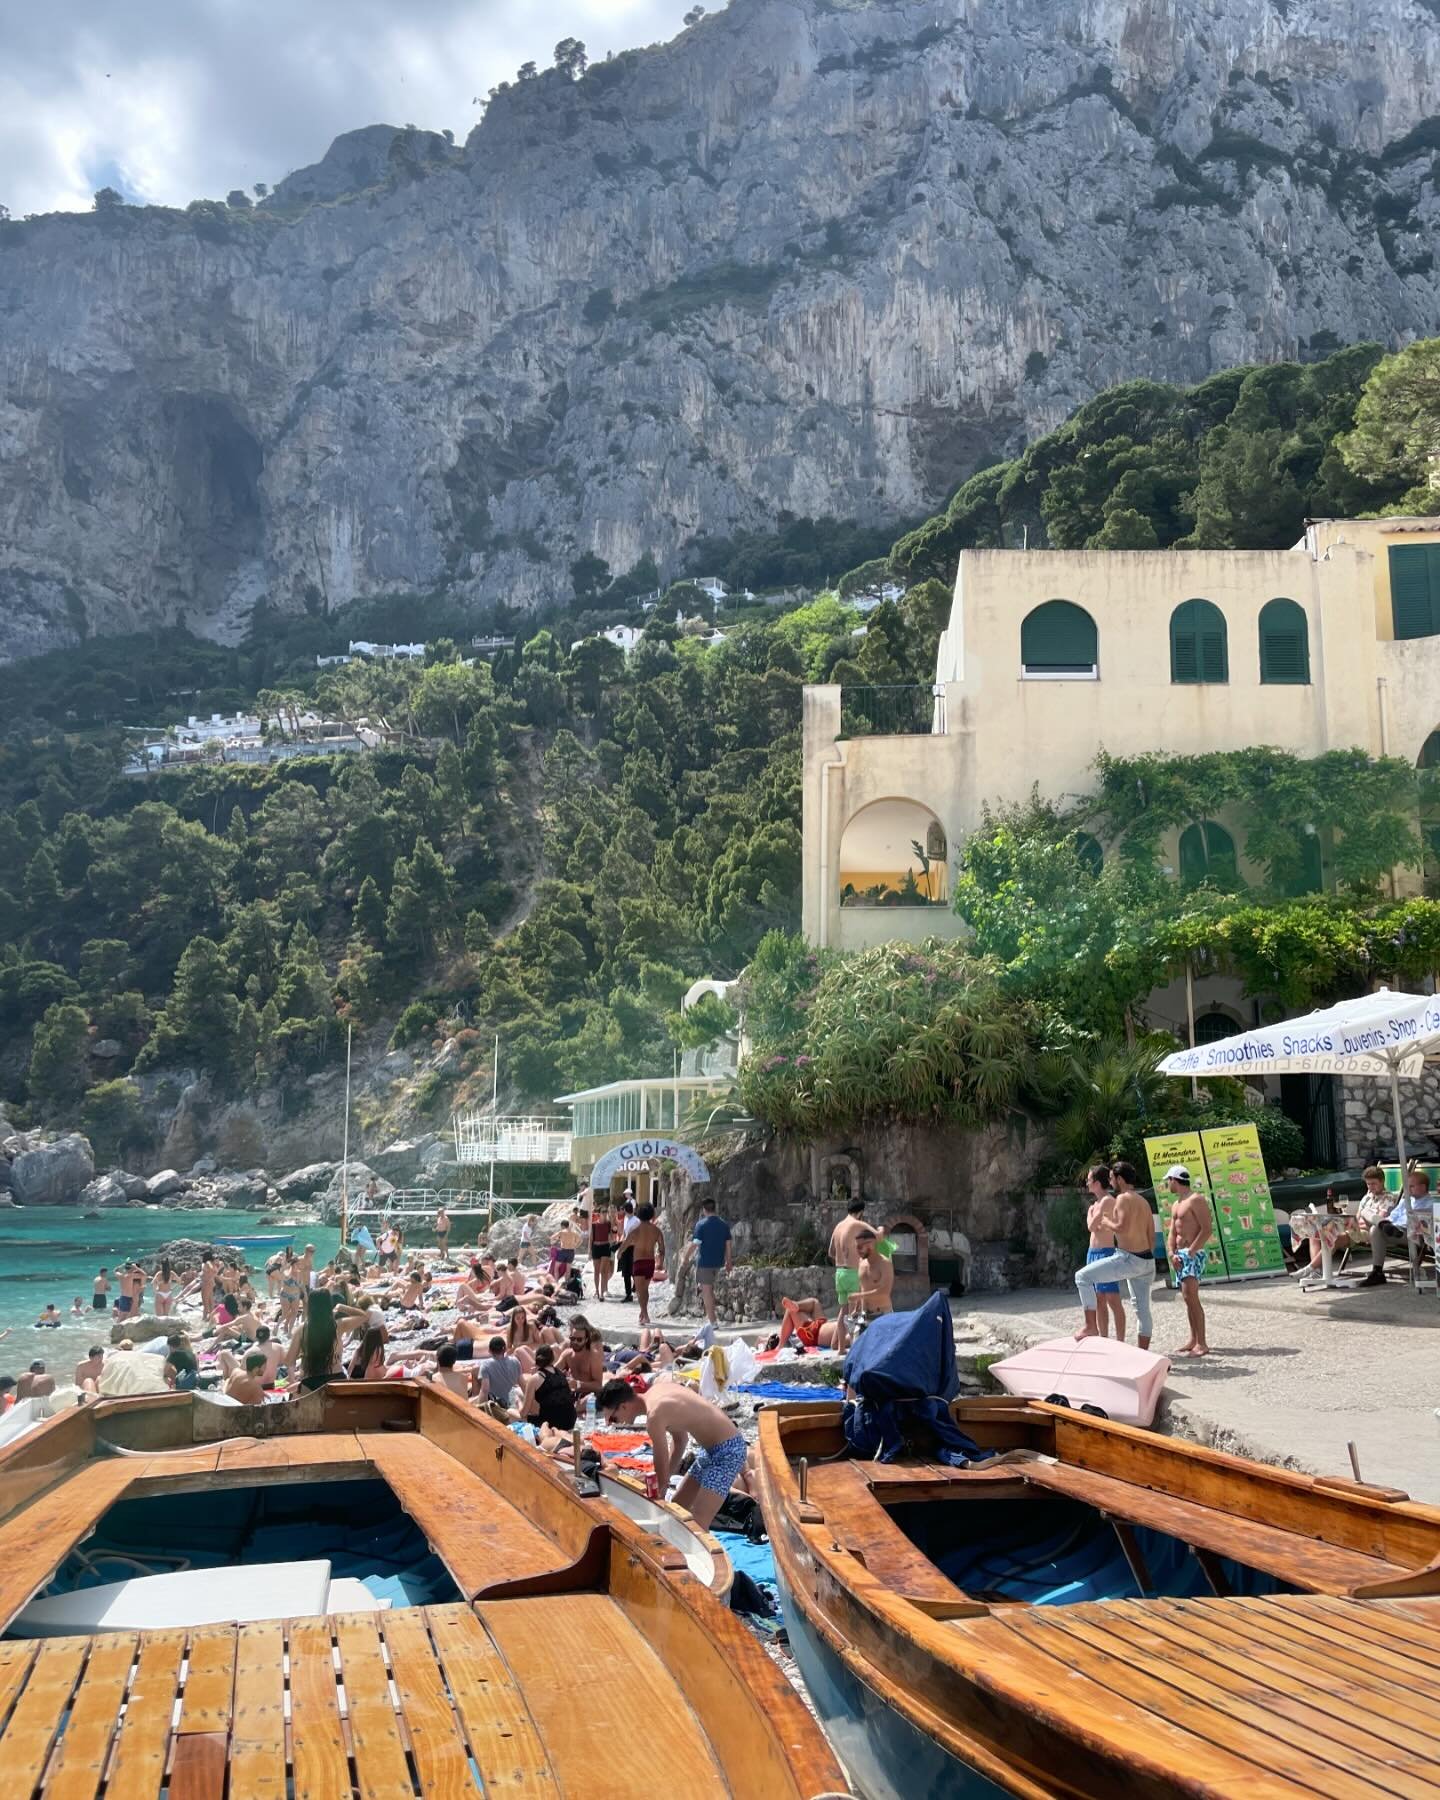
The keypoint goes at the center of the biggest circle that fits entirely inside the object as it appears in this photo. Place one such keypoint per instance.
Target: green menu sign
(1240, 1194)
(1226, 1165)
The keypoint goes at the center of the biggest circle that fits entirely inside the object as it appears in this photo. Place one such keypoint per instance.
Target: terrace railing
(892, 712)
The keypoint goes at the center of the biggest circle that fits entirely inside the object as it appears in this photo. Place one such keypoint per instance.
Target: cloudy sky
(177, 100)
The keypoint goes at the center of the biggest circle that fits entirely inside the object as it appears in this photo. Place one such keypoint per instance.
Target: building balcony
(892, 712)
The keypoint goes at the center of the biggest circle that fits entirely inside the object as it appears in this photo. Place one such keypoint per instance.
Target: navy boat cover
(902, 1367)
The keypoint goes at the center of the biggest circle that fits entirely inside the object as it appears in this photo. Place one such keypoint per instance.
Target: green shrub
(416, 1022)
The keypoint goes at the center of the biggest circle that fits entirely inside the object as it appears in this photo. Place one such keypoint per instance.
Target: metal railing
(892, 712)
(483, 1138)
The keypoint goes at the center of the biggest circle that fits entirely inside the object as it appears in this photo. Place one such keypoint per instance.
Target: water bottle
(282, 1379)
(590, 1410)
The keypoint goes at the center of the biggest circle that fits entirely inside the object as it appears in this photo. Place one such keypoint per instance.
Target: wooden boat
(1110, 1614)
(516, 1638)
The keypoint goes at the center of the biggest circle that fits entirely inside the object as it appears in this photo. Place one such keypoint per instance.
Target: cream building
(1051, 656)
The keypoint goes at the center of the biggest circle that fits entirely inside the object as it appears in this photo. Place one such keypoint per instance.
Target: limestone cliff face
(814, 256)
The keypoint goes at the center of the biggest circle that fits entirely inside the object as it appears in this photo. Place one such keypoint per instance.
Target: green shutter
(1415, 589)
(1059, 638)
(1197, 643)
(1284, 644)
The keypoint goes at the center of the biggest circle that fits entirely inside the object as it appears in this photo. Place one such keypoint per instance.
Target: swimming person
(673, 1414)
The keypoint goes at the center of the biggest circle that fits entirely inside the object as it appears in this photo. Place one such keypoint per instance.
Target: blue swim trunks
(1102, 1287)
(716, 1469)
(1190, 1264)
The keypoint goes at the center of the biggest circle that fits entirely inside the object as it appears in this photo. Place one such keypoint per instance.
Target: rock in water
(815, 257)
(304, 1184)
(104, 1190)
(53, 1174)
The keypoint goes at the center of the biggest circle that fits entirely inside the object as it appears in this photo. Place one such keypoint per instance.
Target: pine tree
(41, 893)
(201, 1018)
(57, 1058)
(370, 913)
(407, 923)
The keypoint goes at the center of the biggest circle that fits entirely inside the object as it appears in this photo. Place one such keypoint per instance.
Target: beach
(51, 1253)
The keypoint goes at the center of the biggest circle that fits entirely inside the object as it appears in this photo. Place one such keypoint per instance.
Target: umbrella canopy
(1385, 1035)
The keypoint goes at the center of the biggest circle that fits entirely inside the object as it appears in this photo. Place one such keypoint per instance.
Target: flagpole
(345, 1151)
(494, 1128)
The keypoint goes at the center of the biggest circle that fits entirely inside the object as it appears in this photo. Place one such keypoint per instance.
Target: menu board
(1185, 1148)
(1240, 1194)
(1226, 1165)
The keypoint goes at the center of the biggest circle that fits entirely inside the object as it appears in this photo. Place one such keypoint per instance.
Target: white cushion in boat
(347, 1594)
(187, 1597)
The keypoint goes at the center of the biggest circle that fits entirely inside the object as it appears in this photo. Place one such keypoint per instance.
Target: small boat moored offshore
(372, 1590)
(1109, 1613)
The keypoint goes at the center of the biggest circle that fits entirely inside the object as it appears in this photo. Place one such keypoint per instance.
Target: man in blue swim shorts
(1191, 1224)
(673, 1414)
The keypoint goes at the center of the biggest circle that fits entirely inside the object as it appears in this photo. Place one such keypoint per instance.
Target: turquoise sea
(50, 1253)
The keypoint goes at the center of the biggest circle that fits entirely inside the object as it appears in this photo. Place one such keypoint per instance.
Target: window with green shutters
(1415, 590)
(1058, 640)
(1284, 644)
(1198, 648)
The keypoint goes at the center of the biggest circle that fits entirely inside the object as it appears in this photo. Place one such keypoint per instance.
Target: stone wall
(748, 1294)
(1366, 1118)
(960, 1201)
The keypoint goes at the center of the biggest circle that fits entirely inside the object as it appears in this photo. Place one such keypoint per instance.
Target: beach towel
(789, 1390)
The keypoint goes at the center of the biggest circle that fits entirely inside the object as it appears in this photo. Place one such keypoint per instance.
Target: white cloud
(174, 100)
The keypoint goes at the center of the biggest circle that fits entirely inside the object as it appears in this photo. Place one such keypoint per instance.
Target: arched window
(1058, 642)
(1284, 644)
(1207, 854)
(1429, 757)
(894, 853)
(1088, 849)
(1212, 1026)
(1198, 647)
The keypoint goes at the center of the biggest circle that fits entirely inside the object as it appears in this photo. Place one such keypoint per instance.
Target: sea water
(51, 1253)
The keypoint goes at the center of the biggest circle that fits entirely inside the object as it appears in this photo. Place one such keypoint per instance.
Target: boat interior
(373, 1591)
(1193, 1621)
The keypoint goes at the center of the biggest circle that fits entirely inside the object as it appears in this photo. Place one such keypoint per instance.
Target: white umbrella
(1384, 1035)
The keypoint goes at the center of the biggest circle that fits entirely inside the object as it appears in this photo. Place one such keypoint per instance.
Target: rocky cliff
(814, 256)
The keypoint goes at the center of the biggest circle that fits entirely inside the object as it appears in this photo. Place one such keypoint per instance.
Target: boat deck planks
(566, 1648)
(424, 1703)
(35, 1541)
(478, 1534)
(279, 1453)
(1164, 1679)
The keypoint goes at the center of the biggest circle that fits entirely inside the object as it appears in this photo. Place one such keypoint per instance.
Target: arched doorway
(634, 1167)
(894, 853)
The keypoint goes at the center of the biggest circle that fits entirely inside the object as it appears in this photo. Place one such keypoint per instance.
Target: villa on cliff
(1051, 656)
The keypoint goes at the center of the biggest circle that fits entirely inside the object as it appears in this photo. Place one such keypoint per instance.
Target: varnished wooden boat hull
(562, 1603)
(929, 1690)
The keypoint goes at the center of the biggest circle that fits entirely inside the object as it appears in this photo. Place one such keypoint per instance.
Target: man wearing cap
(1190, 1227)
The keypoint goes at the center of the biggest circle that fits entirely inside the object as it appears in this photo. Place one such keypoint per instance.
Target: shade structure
(1385, 1035)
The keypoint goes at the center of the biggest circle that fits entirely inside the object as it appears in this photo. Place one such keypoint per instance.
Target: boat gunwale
(942, 1664)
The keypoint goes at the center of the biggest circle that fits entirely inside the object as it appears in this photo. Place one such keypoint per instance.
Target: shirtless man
(583, 1358)
(442, 1233)
(100, 1291)
(34, 1384)
(562, 1253)
(648, 1242)
(805, 1321)
(877, 1274)
(846, 1256)
(1190, 1227)
(247, 1385)
(673, 1414)
(448, 1375)
(89, 1369)
(1128, 1215)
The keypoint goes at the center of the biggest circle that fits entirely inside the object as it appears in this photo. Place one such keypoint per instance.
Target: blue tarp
(902, 1367)
(906, 1355)
(789, 1390)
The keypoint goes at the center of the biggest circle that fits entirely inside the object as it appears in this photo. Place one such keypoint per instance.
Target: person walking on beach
(100, 1291)
(1190, 1227)
(1110, 1309)
(648, 1245)
(673, 1414)
(442, 1233)
(845, 1255)
(714, 1245)
(602, 1250)
(625, 1262)
(1132, 1260)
